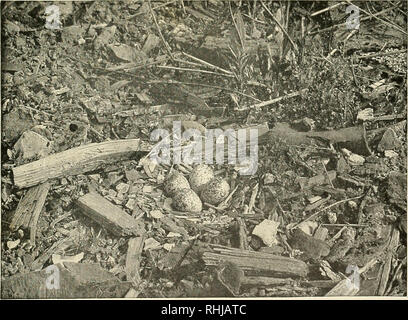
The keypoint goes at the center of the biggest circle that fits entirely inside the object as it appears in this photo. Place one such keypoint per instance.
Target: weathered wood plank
(74, 161)
(109, 216)
(132, 266)
(258, 263)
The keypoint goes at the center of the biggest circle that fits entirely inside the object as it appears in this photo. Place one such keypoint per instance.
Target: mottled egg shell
(200, 176)
(175, 182)
(215, 191)
(186, 200)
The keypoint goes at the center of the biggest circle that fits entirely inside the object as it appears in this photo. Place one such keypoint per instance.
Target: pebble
(389, 141)
(122, 187)
(313, 248)
(366, 114)
(13, 244)
(331, 217)
(267, 231)
(390, 154)
(31, 145)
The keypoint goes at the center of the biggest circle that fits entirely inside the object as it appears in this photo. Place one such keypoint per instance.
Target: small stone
(132, 175)
(156, 214)
(390, 154)
(269, 178)
(366, 114)
(130, 204)
(308, 227)
(173, 235)
(122, 187)
(31, 145)
(314, 199)
(342, 166)
(389, 141)
(355, 159)
(352, 204)
(13, 244)
(267, 231)
(169, 246)
(147, 189)
(151, 244)
(331, 217)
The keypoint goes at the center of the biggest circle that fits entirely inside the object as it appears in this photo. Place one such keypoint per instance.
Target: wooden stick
(385, 274)
(38, 206)
(243, 234)
(74, 161)
(29, 205)
(264, 281)
(280, 26)
(109, 216)
(326, 9)
(314, 215)
(132, 266)
(258, 262)
(273, 101)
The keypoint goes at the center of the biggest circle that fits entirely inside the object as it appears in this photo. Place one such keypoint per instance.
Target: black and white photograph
(206, 149)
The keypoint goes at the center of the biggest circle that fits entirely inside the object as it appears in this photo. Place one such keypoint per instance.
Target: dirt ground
(84, 86)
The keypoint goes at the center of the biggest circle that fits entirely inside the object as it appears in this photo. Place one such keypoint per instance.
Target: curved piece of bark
(352, 138)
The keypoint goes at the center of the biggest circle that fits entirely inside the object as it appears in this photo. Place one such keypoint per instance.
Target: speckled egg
(186, 200)
(215, 191)
(175, 182)
(200, 176)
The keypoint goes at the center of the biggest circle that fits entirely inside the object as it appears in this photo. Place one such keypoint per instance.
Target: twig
(154, 8)
(314, 215)
(327, 175)
(195, 70)
(336, 236)
(354, 225)
(381, 54)
(253, 197)
(326, 9)
(280, 26)
(223, 204)
(182, 4)
(362, 205)
(160, 33)
(269, 102)
(207, 63)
